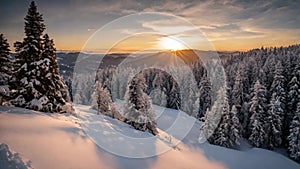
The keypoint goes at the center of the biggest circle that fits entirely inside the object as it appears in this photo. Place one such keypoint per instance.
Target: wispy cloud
(226, 20)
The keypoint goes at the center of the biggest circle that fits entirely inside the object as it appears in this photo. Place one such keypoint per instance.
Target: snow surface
(59, 141)
(11, 160)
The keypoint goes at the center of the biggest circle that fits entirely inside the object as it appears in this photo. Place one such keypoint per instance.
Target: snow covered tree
(293, 99)
(213, 118)
(237, 92)
(238, 97)
(294, 136)
(27, 58)
(257, 119)
(137, 107)
(205, 97)
(5, 69)
(227, 133)
(56, 89)
(278, 85)
(221, 136)
(189, 95)
(274, 122)
(235, 127)
(103, 102)
(38, 84)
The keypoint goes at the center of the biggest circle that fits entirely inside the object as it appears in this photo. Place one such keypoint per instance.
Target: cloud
(219, 20)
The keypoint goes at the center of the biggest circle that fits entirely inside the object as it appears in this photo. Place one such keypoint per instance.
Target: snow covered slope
(58, 141)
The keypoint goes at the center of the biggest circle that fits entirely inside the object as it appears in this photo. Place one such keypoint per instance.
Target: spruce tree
(237, 92)
(221, 136)
(227, 133)
(56, 89)
(294, 136)
(213, 117)
(103, 103)
(235, 127)
(5, 69)
(28, 89)
(257, 119)
(137, 108)
(293, 99)
(38, 84)
(278, 87)
(238, 97)
(205, 96)
(274, 122)
(5, 60)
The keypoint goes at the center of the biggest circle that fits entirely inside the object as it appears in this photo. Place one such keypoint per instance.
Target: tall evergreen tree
(237, 92)
(138, 110)
(205, 96)
(221, 135)
(56, 89)
(235, 127)
(38, 84)
(5, 69)
(278, 85)
(5, 60)
(103, 103)
(257, 119)
(293, 99)
(213, 117)
(294, 136)
(274, 122)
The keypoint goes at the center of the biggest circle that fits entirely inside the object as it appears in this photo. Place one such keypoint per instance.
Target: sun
(171, 44)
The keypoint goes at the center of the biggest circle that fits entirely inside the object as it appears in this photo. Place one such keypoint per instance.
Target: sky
(132, 25)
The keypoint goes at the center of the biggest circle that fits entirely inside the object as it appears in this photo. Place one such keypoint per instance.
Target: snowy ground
(92, 141)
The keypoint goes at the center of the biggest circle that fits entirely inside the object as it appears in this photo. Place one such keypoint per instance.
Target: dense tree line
(260, 101)
(264, 88)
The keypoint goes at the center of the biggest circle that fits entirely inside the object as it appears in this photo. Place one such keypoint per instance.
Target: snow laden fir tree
(258, 118)
(137, 107)
(103, 103)
(5, 69)
(294, 137)
(221, 126)
(38, 85)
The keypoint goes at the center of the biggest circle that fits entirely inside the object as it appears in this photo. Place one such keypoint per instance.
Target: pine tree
(274, 122)
(293, 98)
(56, 89)
(103, 102)
(213, 117)
(137, 108)
(235, 126)
(257, 109)
(294, 136)
(238, 97)
(278, 85)
(38, 84)
(6, 61)
(237, 92)
(5, 69)
(28, 54)
(221, 136)
(190, 96)
(227, 132)
(205, 96)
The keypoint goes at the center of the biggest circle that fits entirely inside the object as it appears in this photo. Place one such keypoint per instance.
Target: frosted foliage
(37, 84)
(294, 136)
(38, 104)
(257, 109)
(137, 107)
